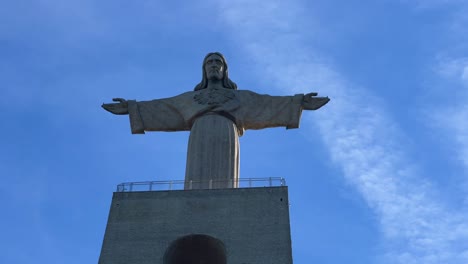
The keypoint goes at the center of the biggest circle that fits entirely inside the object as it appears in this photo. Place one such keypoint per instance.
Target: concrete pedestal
(234, 226)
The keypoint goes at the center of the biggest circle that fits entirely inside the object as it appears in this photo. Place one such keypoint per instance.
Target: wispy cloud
(427, 4)
(455, 69)
(453, 119)
(450, 76)
(360, 136)
(457, 121)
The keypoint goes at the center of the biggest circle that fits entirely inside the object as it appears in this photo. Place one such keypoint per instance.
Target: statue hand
(120, 108)
(310, 102)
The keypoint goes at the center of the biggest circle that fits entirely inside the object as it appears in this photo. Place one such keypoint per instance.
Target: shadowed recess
(196, 249)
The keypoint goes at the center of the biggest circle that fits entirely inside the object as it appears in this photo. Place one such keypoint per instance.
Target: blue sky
(379, 175)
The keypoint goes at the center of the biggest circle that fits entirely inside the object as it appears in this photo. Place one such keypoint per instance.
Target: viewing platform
(182, 185)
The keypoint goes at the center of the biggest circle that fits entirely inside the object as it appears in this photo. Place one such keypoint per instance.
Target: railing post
(270, 181)
(131, 187)
(190, 184)
(250, 182)
(170, 185)
(210, 184)
(151, 186)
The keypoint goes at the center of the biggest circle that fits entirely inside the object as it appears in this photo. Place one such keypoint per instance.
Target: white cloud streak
(453, 120)
(451, 77)
(362, 140)
(430, 4)
(456, 69)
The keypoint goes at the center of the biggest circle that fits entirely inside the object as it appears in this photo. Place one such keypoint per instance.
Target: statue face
(214, 67)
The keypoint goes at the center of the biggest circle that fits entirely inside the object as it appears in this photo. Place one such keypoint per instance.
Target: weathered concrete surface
(216, 113)
(253, 224)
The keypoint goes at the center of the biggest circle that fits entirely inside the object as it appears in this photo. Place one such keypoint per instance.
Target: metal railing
(189, 185)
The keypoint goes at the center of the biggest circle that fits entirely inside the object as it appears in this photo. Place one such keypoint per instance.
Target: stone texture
(213, 154)
(215, 95)
(253, 224)
(215, 126)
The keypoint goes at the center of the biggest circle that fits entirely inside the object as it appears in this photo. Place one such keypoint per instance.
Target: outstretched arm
(311, 102)
(120, 108)
(155, 115)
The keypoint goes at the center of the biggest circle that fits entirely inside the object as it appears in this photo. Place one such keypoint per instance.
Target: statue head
(223, 75)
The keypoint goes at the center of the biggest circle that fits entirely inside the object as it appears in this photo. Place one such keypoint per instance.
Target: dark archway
(196, 249)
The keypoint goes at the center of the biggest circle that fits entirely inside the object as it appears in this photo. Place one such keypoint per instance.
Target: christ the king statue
(216, 113)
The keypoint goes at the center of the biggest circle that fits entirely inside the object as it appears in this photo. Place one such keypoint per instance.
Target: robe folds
(216, 118)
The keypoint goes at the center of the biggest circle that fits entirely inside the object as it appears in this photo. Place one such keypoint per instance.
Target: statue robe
(216, 118)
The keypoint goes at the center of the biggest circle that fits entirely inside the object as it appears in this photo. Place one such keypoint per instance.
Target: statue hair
(227, 83)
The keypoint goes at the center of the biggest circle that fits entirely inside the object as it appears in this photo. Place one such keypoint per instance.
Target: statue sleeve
(156, 115)
(263, 111)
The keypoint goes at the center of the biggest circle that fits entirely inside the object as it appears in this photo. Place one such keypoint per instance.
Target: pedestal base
(241, 226)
